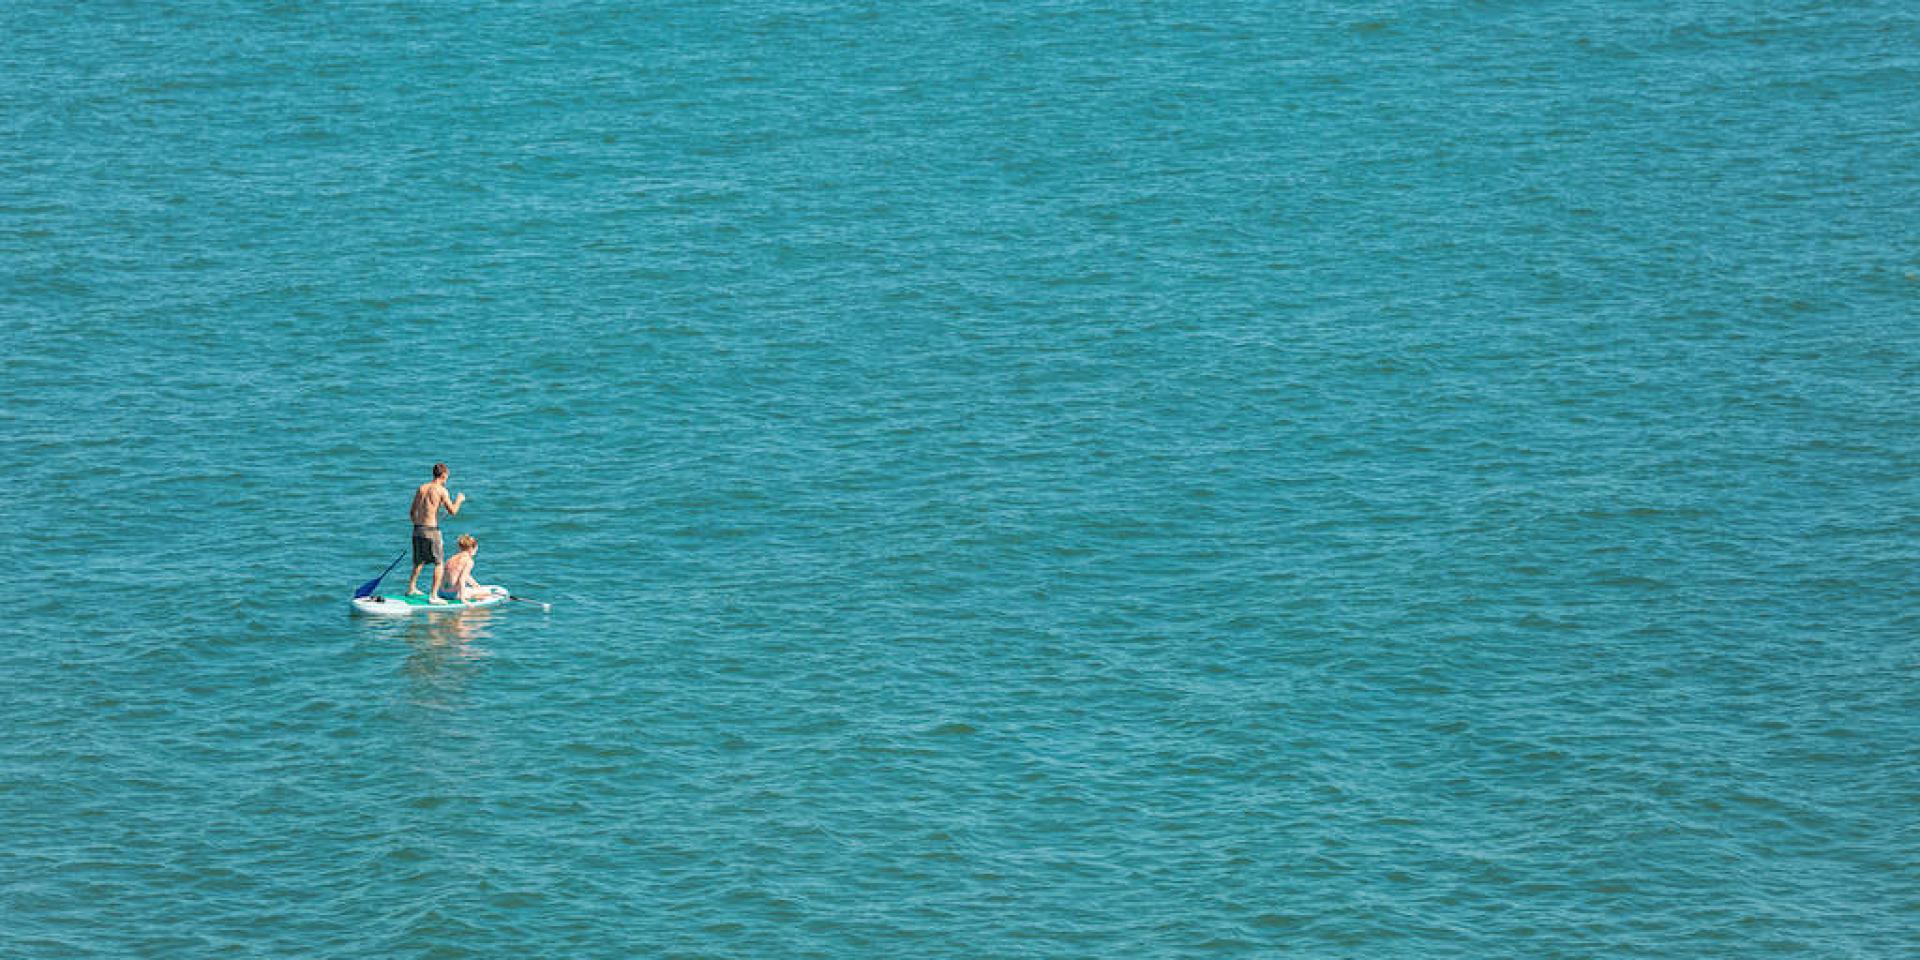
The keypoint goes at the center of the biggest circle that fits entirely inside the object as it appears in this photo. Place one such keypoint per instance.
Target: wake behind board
(403, 605)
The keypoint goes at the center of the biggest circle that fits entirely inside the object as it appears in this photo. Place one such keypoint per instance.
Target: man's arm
(452, 503)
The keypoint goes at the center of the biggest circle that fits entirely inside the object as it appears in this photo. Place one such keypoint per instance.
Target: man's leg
(413, 582)
(432, 544)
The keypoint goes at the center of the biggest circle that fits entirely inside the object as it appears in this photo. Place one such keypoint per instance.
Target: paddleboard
(400, 606)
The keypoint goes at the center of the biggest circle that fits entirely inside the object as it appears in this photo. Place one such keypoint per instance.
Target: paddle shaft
(371, 585)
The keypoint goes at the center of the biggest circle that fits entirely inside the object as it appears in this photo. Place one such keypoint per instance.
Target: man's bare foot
(436, 601)
(413, 591)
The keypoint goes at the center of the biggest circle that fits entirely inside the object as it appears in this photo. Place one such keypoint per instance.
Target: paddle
(367, 589)
(545, 607)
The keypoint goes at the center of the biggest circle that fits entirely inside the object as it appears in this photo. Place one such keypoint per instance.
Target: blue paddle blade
(367, 589)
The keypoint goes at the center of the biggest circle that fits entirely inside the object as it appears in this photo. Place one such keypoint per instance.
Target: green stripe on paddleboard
(421, 601)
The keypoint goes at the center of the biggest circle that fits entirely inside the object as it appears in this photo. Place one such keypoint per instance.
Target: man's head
(467, 542)
(439, 471)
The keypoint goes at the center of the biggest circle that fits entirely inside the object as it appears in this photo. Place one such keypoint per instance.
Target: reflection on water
(445, 655)
(451, 629)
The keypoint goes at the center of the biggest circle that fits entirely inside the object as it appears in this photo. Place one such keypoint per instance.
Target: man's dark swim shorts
(426, 545)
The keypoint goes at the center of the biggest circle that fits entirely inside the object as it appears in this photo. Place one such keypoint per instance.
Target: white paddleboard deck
(400, 606)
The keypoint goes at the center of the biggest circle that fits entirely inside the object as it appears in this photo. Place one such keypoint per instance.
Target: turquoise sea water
(1073, 479)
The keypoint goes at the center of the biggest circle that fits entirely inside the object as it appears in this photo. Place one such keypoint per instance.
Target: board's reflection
(444, 653)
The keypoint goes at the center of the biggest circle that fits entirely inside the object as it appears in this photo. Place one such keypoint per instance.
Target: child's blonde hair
(466, 542)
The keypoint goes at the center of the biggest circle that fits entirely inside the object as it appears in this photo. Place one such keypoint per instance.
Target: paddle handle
(545, 607)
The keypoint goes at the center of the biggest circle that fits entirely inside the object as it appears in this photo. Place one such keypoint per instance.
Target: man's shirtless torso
(427, 503)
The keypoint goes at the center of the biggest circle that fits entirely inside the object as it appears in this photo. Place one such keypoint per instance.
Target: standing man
(427, 503)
